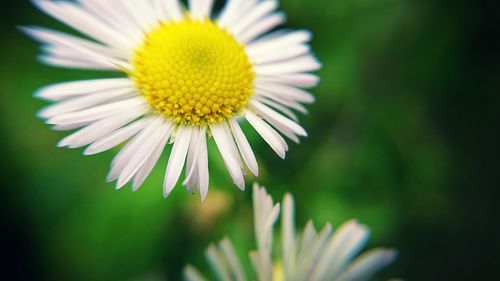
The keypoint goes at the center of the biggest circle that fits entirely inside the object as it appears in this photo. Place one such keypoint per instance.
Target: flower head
(187, 75)
(307, 256)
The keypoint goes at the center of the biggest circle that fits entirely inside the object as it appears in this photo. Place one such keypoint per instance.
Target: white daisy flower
(189, 75)
(308, 256)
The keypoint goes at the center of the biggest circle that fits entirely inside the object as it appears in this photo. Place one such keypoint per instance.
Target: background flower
(307, 256)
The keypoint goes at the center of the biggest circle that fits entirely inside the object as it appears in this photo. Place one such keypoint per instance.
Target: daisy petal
(117, 137)
(287, 92)
(200, 9)
(101, 128)
(174, 9)
(65, 90)
(96, 113)
(288, 235)
(261, 27)
(177, 159)
(192, 274)
(133, 147)
(148, 166)
(280, 99)
(270, 114)
(296, 65)
(244, 147)
(301, 80)
(269, 135)
(260, 10)
(84, 102)
(330, 260)
(273, 43)
(234, 10)
(78, 45)
(289, 53)
(232, 259)
(147, 148)
(366, 265)
(278, 107)
(191, 180)
(81, 20)
(203, 166)
(232, 161)
(216, 259)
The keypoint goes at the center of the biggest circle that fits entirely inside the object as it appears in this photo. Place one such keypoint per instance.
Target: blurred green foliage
(395, 140)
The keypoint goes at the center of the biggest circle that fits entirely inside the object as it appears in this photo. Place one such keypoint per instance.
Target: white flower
(187, 75)
(307, 256)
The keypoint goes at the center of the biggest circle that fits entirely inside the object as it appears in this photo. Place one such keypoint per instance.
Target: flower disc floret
(193, 72)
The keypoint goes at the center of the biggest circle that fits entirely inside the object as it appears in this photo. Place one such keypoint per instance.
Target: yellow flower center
(193, 72)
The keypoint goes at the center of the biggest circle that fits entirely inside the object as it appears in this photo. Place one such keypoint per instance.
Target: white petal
(308, 237)
(55, 38)
(117, 137)
(233, 11)
(276, 42)
(72, 62)
(317, 249)
(191, 179)
(284, 130)
(145, 150)
(296, 65)
(228, 12)
(84, 102)
(192, 274)
(177, 159)
(68, 127)
(200, 9)
(244, 147)
(366, 265)
(141, 13)
(286, 92)
(232, 161)
(81, 20)
(261, 27)
(301, 80)
(289, 53)
(101, 128)
(116, 15)
(232, 145)
(203, 166)
(260, 10)
(97, 112)
(65, 90)
(148, 166)
(218, 264)
(288, 236)
(158, 7)
(270, 114)
(174, 9)
(72, 56)
(269, 135)
(133, 147)
(232, 259)
(280, 99)
(265, 215)
(351, 247)
(279, 107)
(329, 261)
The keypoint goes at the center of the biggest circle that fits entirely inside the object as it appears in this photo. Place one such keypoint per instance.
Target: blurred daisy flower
(308, 256)
(189, 75)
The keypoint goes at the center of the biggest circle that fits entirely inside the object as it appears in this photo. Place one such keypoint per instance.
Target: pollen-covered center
(193, 72)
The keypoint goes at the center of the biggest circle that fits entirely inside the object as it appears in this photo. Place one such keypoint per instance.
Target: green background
(402, 137)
